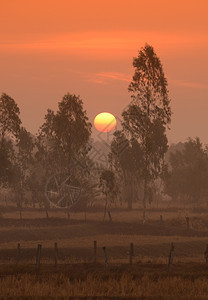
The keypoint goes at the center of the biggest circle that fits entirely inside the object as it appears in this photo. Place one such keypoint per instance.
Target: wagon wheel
(62, 190)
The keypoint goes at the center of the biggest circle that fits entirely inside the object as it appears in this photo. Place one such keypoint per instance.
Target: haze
(49, 48)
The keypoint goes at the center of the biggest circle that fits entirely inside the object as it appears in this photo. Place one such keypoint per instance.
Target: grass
(141, 282)
(77, 276)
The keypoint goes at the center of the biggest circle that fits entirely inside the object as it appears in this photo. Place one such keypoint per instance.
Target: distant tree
(126, 159)
(173, 148)
(186, 175)
(148, 115)
(23, 162)
(62, 142)
(65, 134)
(6, 162)
(109, 188)
(9, 129)
(9, 117)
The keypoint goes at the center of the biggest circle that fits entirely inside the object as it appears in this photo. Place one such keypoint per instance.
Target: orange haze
(51, 47)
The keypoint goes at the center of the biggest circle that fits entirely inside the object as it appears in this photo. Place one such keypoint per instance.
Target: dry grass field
(77, 276)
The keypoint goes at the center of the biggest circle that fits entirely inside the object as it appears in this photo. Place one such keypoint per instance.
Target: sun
(105, 122)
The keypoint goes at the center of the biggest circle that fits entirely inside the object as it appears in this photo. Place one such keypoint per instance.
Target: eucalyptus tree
(148, 115)
(9, 130)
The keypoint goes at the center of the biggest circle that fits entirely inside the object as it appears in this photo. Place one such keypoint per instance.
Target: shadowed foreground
(186, 281)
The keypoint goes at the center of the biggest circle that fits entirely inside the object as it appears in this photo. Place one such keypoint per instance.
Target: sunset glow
(104, 149)
(87, 47)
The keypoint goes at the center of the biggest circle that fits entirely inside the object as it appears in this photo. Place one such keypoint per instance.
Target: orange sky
(51, 47)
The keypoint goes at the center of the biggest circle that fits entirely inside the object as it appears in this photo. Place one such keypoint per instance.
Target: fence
(19, 257)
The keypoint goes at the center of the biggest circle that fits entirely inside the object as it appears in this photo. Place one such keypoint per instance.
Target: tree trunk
(144, 201)
(109, 215)
(106, 201)
(68, 214)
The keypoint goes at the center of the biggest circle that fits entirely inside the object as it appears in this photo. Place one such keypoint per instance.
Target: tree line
(139, 158)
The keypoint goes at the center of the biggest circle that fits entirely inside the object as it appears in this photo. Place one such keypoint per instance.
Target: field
(76, 274)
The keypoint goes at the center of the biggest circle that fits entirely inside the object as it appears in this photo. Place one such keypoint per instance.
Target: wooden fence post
(56, 253)
(131, 253)
(18, 252)
(38, 255)
(95, 252)
(106, 258)
(170, 261)
(206, 255)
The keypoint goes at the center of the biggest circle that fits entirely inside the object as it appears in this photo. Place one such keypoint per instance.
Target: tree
(109, 189)
(9, 129)
(126, 159)
(63, 139)
(65, 134)
(9, 117)
(23, 161)
(149, 114)
(186, 175)
(6, 162)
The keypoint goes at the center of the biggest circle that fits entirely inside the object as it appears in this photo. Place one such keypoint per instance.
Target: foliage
(149, 113)
(126, 158)
(65, 134)
(23, 161)
(62, 142)
(9, 116)
(149, 86)
(187, 174)
(9, 128)
(6, 162)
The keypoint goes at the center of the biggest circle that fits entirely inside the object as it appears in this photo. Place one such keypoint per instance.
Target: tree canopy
(186, 176)
(148, 114)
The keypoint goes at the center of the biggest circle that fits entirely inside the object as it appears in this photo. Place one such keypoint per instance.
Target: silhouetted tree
(109, 189)
(9, 117)
(186, 175)
(126, 158)
(6, 162)
(65, 134)
(148, 114)
(9, 129)
(23, 162)
(63, 138)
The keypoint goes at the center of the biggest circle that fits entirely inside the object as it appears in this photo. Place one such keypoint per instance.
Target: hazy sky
(86, 47)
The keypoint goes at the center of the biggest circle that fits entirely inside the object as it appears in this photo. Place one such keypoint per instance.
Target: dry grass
(75, 242)
(148, 286)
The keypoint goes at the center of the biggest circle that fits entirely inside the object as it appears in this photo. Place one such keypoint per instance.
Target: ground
(75, 238)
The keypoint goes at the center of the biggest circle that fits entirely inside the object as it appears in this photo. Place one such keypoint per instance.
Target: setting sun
(105, 122)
